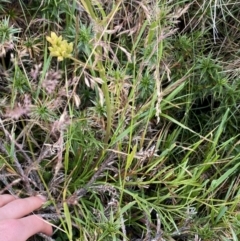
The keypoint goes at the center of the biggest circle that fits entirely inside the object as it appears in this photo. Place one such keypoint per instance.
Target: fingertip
(35, 224)
(49, 230)
(46, 226)
(43, 198)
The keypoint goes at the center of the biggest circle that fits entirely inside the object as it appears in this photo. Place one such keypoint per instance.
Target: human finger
(6, 198)
(35, 224)
(22, 229)
(20, 207)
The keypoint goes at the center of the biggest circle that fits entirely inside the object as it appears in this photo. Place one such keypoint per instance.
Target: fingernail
(42, 197)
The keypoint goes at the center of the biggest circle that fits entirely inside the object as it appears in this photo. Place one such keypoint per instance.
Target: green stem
(88, 7)
(107, 101)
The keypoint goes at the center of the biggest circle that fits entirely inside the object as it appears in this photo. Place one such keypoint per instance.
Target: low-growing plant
(125, 115)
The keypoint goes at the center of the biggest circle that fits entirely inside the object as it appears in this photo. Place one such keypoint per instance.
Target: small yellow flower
(60, 48)
(54, 39)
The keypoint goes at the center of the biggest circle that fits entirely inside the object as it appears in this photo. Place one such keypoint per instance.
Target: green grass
(136, 135)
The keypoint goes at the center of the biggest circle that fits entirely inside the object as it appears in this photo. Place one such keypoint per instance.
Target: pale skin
(15, 221)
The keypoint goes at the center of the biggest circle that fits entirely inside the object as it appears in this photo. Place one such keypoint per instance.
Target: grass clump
(128, 122)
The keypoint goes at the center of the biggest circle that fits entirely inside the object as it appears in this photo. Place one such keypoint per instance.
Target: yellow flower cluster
(60, 48)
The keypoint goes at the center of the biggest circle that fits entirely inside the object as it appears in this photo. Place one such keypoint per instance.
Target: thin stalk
(98, 50)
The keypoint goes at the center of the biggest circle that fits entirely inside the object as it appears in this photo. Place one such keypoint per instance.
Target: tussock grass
(135, 135)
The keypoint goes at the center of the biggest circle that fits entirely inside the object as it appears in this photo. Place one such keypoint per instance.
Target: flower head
(60, 48)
